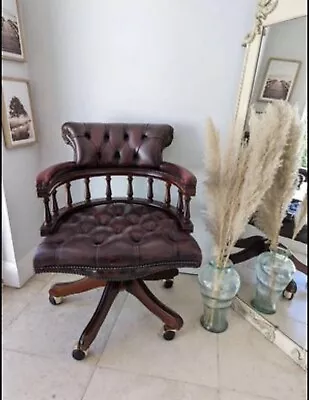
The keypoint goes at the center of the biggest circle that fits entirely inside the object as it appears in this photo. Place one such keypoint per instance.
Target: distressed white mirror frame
(269, 12)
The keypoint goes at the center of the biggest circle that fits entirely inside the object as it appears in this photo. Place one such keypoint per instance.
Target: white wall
(173, 61)
(20, 166)
(169, 61)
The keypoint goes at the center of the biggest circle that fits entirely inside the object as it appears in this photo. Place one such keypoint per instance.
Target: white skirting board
(16, 274)
(10, 274)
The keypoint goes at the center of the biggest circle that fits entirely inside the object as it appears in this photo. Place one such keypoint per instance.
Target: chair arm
(180, 177)
(45, 177)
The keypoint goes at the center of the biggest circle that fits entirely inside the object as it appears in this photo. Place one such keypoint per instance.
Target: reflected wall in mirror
(282, 65)
(276, 68)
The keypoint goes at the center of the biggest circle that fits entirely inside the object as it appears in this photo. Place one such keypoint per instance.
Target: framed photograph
(279, 79)
(12, 42)
(17, 116)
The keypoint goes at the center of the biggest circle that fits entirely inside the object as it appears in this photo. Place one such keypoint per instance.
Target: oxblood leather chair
(116, 243)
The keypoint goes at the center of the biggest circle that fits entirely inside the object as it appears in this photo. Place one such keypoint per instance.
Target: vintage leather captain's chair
(116, 243)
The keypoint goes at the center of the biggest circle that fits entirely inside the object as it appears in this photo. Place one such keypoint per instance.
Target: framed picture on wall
(279, 79)
(17, 116)
(12, 41)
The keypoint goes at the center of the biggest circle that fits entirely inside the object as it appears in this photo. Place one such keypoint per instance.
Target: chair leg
(172, 321)
(60, 290)
(90, 332)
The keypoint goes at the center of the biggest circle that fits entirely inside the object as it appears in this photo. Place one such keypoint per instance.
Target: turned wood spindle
(48, 216)
(167, 194)
(150, 189)
(187, 207)
(55, 203)
(130, 187)
(180, 202)
(108, 187)
(69, 196)
(87, 190)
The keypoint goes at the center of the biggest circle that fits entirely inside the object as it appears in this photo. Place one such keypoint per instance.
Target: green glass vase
(274, 271)
(218, 288)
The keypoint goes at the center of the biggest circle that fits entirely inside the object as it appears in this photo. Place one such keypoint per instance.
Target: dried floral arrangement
(272, 210)
(238, 177)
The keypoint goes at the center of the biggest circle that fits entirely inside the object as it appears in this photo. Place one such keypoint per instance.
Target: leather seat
(116, 242)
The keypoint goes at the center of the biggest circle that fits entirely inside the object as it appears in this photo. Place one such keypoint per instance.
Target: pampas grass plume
(238, 177)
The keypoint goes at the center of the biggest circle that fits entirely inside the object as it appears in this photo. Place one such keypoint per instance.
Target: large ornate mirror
(275, 68)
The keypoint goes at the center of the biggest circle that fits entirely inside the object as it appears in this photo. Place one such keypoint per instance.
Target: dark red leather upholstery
(117, 242)
(97, 144)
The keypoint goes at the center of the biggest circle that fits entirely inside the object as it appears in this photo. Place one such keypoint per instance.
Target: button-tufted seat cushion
(117, 242)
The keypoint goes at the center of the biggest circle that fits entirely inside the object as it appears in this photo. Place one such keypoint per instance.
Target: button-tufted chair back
(99, 144)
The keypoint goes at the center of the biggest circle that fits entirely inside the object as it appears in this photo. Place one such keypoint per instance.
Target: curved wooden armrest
(59, 174)
(180, 176)
(48, 175)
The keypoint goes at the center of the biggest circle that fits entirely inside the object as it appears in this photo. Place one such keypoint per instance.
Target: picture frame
(17, 115)
(11, 32)
(279, 79)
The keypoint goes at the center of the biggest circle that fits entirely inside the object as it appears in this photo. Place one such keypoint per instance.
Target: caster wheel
(55, 301)
(169, 334)
(168, 283)
(79, 354)
(290, 290)
(287, 295)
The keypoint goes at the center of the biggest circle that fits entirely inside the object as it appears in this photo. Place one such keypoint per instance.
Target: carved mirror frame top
(269, 12)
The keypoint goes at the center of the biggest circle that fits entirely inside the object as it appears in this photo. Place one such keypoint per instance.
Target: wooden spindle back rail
(150, 189)
(187, 214)
(69, 195)
(48, 216)
(180, 202)
(87, 190)
(167, 194)
(130, 187)
(180, 210)
(108, 187)
(55, 203)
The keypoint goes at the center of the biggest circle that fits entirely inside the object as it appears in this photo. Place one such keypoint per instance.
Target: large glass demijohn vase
(274, 271)
(218, 287)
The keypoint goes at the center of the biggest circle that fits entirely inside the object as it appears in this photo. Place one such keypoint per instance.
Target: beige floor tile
(250, 363)
(10, 310)
(118, 385)
(225, 394)
(44, 329)
(57, 278)
(28, 377)
(136, 344)
(15, 300)
(45, 277)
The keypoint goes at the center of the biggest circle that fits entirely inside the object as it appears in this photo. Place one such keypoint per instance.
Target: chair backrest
(117, 144)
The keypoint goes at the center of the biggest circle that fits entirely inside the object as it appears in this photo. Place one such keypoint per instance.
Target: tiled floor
(129, 359)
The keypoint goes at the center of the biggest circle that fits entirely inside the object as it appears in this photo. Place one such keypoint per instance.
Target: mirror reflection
(281, 74)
